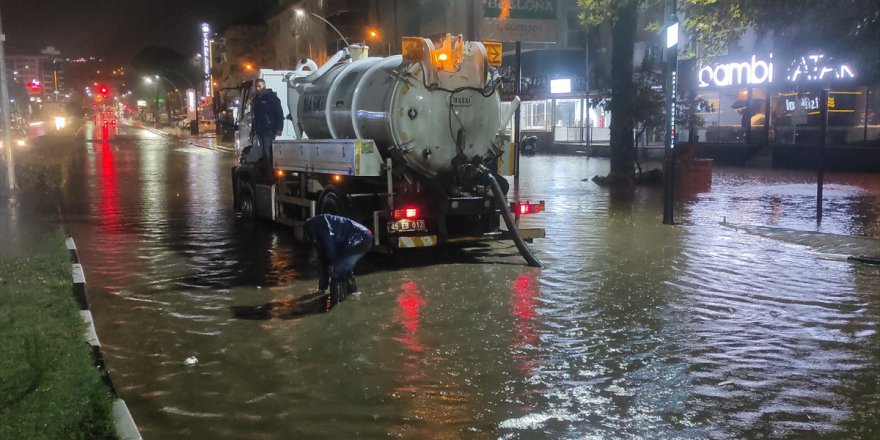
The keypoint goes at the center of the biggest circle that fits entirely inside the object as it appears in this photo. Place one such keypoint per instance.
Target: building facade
(239, 50)
(40, 74)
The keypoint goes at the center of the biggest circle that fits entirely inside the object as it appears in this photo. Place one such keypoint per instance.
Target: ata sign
(811, 68)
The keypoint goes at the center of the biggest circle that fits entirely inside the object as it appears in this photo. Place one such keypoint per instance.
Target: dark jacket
(268, 115)
(334, 237)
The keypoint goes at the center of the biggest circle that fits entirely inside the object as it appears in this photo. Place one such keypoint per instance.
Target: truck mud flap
(264, 201)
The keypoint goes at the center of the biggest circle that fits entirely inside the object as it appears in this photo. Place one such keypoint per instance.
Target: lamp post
(302, 13)
(175, 89)
(670, 70)
(375, 37)
(155, 103)
(6, 123)
(193, 127)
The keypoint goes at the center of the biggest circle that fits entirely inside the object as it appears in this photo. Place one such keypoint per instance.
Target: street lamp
(670, 70)
(302, 13)
(155, 84)
(174, 89)
(374, 36)
(193, 127)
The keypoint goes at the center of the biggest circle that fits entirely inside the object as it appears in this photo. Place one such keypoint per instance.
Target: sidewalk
(207, 137)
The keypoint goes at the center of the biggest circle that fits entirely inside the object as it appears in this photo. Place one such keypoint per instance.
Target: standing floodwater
(750, 328)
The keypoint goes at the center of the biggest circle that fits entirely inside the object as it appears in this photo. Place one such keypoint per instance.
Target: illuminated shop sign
(757, 71)
(813, 68)
(807, 103)
(206, 57)
(745, 73)
(190, 100)
(560, 85)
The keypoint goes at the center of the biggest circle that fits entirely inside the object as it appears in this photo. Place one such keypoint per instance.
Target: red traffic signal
(34, 87)
(103, 90)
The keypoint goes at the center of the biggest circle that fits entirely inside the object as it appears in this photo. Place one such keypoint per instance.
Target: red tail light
(526, 207)
(406, 213)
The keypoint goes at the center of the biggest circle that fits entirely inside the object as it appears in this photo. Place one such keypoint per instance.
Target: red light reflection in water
(109, 246)
(410, 301)
(108, 202)
(525, 293)
(432, 398)
(408, 315)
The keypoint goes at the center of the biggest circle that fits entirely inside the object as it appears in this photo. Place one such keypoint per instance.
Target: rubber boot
(351, 285)
(336, 294)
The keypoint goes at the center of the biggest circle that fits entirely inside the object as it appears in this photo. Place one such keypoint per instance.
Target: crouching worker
(340, 242)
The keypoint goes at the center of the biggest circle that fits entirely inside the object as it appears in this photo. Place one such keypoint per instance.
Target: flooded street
(744, 320)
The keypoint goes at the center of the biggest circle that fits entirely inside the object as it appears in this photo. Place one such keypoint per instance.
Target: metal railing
(600, 135)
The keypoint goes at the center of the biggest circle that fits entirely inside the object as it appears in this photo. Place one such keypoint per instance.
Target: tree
(166, 62)
(843, 28)
(832, 26)
(622, 16)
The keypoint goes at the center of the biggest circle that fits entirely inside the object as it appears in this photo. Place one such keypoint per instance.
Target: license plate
(406, 226)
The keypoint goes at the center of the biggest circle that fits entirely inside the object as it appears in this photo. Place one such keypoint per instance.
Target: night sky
(114, 29)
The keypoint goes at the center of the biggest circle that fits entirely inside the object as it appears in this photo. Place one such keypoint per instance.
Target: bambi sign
(757, 71)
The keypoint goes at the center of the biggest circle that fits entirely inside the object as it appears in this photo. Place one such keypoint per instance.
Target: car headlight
(60, 122)
(21, 142)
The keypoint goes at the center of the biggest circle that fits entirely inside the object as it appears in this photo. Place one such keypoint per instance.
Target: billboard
(527, 20)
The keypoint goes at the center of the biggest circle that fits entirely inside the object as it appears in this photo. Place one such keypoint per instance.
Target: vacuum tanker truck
(407, 145)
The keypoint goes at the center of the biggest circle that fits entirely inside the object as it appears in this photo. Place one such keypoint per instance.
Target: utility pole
(517, 130)
(7, 125)
(820, 160)
(670, 70)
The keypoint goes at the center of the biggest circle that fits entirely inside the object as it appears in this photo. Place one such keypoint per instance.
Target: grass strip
(49, 387)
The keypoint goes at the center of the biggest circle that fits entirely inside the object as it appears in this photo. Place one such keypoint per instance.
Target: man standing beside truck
(268, 120)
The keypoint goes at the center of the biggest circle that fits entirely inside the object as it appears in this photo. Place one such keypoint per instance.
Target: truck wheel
(246, 205)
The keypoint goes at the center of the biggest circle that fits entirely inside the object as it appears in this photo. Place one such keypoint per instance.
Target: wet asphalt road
(634, 329)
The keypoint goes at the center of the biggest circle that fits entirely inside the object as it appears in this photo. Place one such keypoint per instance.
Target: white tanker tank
(426, 107)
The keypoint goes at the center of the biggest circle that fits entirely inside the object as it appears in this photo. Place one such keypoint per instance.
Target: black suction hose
(501, 201)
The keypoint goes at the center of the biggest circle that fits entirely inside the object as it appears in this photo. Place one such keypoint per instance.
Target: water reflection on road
(633, 328)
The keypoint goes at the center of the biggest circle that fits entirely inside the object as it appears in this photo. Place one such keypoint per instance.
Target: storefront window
(852, 117)
(569, 120)
(709, 120)
(535, 115)
(599, 121)
(869, 112)
(734, 116)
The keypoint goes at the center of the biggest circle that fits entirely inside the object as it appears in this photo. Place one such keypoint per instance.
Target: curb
(123, 422)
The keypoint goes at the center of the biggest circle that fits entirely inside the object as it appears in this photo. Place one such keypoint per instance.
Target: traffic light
(104, 90)
(34, 87)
